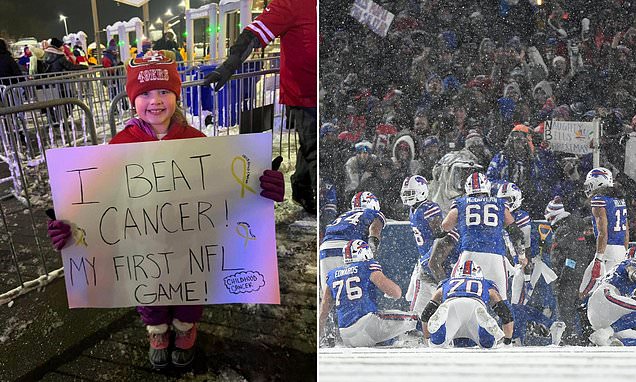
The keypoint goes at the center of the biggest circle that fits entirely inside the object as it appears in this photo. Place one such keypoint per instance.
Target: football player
(612, 308)
(480, 220)
(354, 290)
(363, 222)
(426, 220)
(458, 309)
(609, 219)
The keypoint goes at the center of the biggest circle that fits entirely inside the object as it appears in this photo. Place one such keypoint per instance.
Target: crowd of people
(463, 88)
(61, 55)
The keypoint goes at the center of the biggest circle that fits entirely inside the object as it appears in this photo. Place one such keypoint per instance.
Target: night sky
(40, 18)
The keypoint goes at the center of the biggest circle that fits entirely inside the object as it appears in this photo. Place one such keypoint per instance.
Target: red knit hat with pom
(153, 71)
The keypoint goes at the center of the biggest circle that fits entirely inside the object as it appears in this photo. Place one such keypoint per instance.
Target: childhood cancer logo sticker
(244, 282)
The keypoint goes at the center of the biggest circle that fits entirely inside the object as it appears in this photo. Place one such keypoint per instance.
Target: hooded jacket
(133, 133)
(545, 85)
(55, 61)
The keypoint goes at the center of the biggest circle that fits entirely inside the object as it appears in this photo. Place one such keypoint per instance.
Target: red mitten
(273, 185)
(59, 233)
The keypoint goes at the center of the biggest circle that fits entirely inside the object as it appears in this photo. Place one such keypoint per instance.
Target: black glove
(219, 76)
(242, 48)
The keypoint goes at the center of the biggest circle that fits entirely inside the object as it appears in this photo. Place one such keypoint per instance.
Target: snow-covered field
(537, 364)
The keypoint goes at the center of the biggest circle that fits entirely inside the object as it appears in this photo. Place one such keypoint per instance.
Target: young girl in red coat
(153, 86)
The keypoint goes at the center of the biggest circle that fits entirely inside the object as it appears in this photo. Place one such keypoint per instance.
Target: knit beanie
(151, 72)
(555, 210)
(56, 42)
(473, 138)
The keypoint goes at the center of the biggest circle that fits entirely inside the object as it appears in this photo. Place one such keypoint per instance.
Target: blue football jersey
(419, 218)
(467, 287)
(480, 223)
(353, 291)
(352, 225)
(619, 278)
(616, 218)
(522, 219)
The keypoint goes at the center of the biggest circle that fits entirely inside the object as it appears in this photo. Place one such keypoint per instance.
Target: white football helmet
(477, 183)
(469, 269)
(414, 190)
(356, 250)
(365, 200)
(512, 193)
(596, 178)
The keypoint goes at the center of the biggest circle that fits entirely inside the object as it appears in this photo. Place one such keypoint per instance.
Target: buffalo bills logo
(599, 173)
(421, 180)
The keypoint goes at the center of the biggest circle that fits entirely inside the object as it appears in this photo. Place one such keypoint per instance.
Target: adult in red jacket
(294, 21)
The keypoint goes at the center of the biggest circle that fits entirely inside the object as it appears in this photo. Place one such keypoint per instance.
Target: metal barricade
(24, 263)
(90, 107)
(248, 102)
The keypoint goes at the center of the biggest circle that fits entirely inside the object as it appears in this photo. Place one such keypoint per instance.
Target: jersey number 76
(353, 291)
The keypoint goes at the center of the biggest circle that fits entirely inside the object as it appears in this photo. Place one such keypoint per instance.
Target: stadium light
(63, 18)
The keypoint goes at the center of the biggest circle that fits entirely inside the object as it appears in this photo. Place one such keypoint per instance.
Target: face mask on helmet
(598, 177)
(365, 200)
(356, 250)
(512, 194)
(470, 269)
(477, 183)
(414, 190)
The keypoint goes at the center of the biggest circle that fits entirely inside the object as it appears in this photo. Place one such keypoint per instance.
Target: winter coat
(526, 173)
(56, 61)
(133, 133)
(8, 68)
(571, 252)
(358, 172)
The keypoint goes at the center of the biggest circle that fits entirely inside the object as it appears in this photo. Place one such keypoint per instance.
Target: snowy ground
(542, 364)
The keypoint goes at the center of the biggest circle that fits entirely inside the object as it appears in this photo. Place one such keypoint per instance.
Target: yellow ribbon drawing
(246, 233)
(243, 180)
(79, 235)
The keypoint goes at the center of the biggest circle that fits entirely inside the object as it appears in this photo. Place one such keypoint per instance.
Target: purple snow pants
(157, 315)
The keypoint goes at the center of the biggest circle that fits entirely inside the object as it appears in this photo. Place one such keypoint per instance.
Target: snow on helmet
(365, 200)
(596, 178)
(414, 190)
(477, 183)
(469, 269)
(356, 250)
(512, 193)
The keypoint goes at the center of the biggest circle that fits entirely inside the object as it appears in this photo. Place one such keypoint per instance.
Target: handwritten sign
(570, 137)
(176, 222)
(372, 15)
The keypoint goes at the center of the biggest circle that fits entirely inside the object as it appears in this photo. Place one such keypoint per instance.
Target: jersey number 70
(471, 286)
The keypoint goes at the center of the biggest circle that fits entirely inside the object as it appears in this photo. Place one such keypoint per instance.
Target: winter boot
(159, 339)
(184, 340)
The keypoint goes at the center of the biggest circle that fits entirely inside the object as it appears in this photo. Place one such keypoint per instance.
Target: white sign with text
(570, 137)
(175, 222)
(372, 15)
